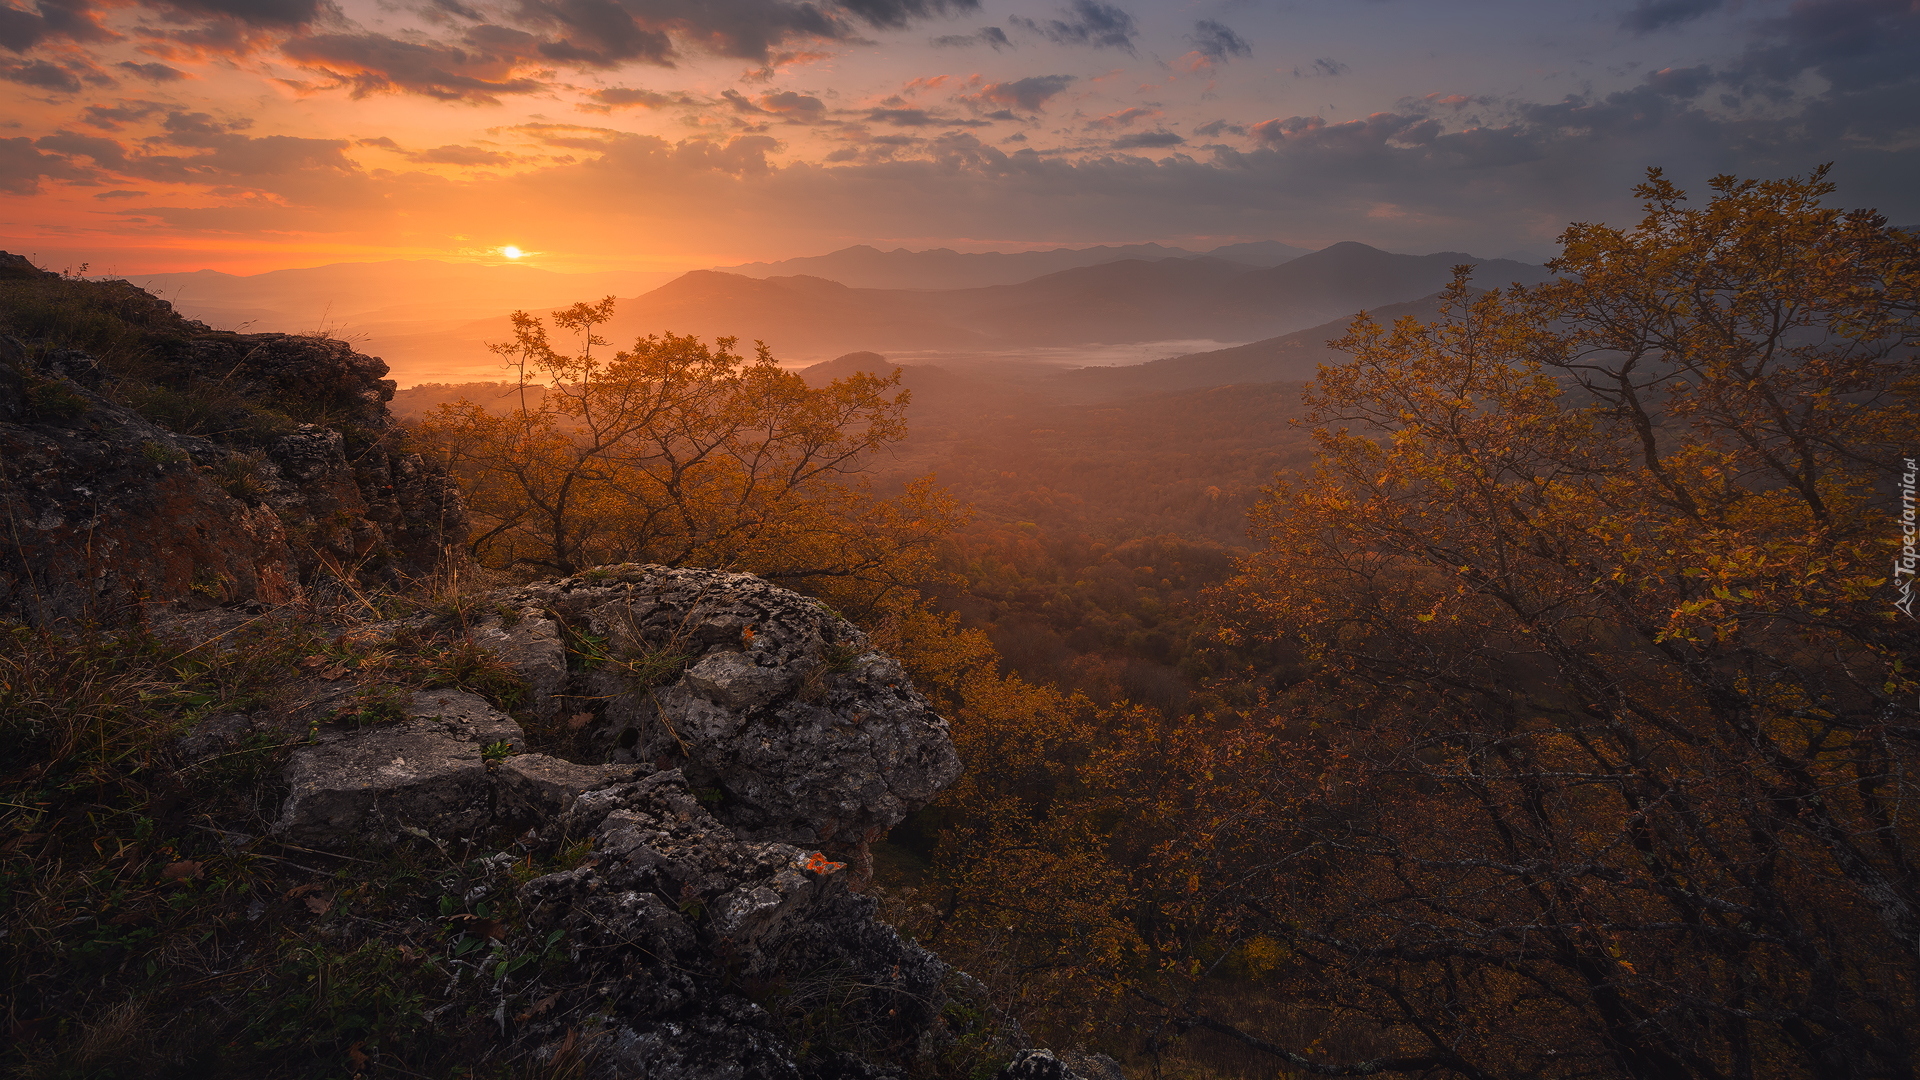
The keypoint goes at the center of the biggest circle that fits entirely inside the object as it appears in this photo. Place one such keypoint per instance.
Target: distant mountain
(1133, 300)
(866, 267)
(367, 298)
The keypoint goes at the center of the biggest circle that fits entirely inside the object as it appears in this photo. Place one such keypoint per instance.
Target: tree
(1609, 756)
(680, 453)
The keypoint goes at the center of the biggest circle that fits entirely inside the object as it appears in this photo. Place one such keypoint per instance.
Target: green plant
(52, 400)
(496, 751)
(383, 704)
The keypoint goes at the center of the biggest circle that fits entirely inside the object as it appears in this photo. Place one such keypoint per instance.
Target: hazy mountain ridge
(865, 266)
(433, 321)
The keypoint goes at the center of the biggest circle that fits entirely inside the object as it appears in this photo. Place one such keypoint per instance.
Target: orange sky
(249, 135)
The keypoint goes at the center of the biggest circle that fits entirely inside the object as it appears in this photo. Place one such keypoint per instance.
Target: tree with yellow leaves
(682, 453)
(1608, 762)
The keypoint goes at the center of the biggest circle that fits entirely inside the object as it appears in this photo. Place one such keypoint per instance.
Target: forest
(1527, 696)
(1558, 720)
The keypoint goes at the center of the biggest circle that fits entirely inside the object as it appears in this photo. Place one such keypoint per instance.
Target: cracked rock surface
(810, 735)
(426, 772)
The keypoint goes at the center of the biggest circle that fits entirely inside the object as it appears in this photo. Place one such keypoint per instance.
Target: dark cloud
(275, 13)
(920, 118)
(121, 193)
(1030, 93)
(1220, 127)
(1853, 44)
(373, 64)
(22, 167)
(40, 75)
(621, 97)
(71, 20)
(382, 142)
(1123, 118)
(152, 72)
(597, 33)
(987, 35)
(1146, 140)
(1086, 22)
(1326, 67)
(127, 112)
(1681, 82)
(1651, 15)
(897, 14)
(793, 106)
(1217, 42)
(461, 155)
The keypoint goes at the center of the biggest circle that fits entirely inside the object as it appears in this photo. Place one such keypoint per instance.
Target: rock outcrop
(808, 734)
(198, 468)
(738, 746)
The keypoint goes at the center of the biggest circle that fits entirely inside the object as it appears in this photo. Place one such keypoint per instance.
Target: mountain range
(866, 267)
(433, 321)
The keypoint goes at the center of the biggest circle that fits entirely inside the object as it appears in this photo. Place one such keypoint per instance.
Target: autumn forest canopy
(1558, 720)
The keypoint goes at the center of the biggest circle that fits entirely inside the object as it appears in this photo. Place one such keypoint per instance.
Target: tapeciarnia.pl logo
(1904, 563)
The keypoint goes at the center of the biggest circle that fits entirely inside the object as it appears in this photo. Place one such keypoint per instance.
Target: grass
(150, 930)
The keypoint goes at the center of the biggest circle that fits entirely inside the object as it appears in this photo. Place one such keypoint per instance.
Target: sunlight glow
(511, 252)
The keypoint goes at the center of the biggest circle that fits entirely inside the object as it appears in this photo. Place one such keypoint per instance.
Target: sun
(511, 252)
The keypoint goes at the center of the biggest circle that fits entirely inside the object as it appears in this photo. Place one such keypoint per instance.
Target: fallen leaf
(302, 890)
(409, 953)
(184, 870)
(579, 720)
(319, 905)
(537, 1008)
(357, 1056)
(337, 671)
(312, 661)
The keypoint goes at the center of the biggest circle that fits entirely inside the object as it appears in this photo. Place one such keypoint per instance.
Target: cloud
(276, 13)
(1651, 15)
(622, 97)
(40, 75)
(152, 72)
(1086, 22)
(920, 118)
(120, 193)
(1681, 82)
(1146, 139)
(1325, 67)
(454, 154)
(1216, 42)
(22, 167)
(127, 112)
(72, 20)
(800, 108)
(374, 63)
(1123, 118)
(987, 35)
(1220, 127)
(1030, 93)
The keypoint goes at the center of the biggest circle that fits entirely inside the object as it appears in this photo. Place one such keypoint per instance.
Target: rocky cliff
(148, 460)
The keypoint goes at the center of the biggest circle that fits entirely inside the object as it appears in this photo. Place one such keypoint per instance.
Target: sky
(247, 135)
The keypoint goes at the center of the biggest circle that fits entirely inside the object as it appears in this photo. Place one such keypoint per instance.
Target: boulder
(426, 772)
(674, 917)
(803, 731)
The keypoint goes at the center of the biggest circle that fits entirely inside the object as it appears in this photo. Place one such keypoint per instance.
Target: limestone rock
(675, 914)
(811, 736)
(543, 787)
(426, 772)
